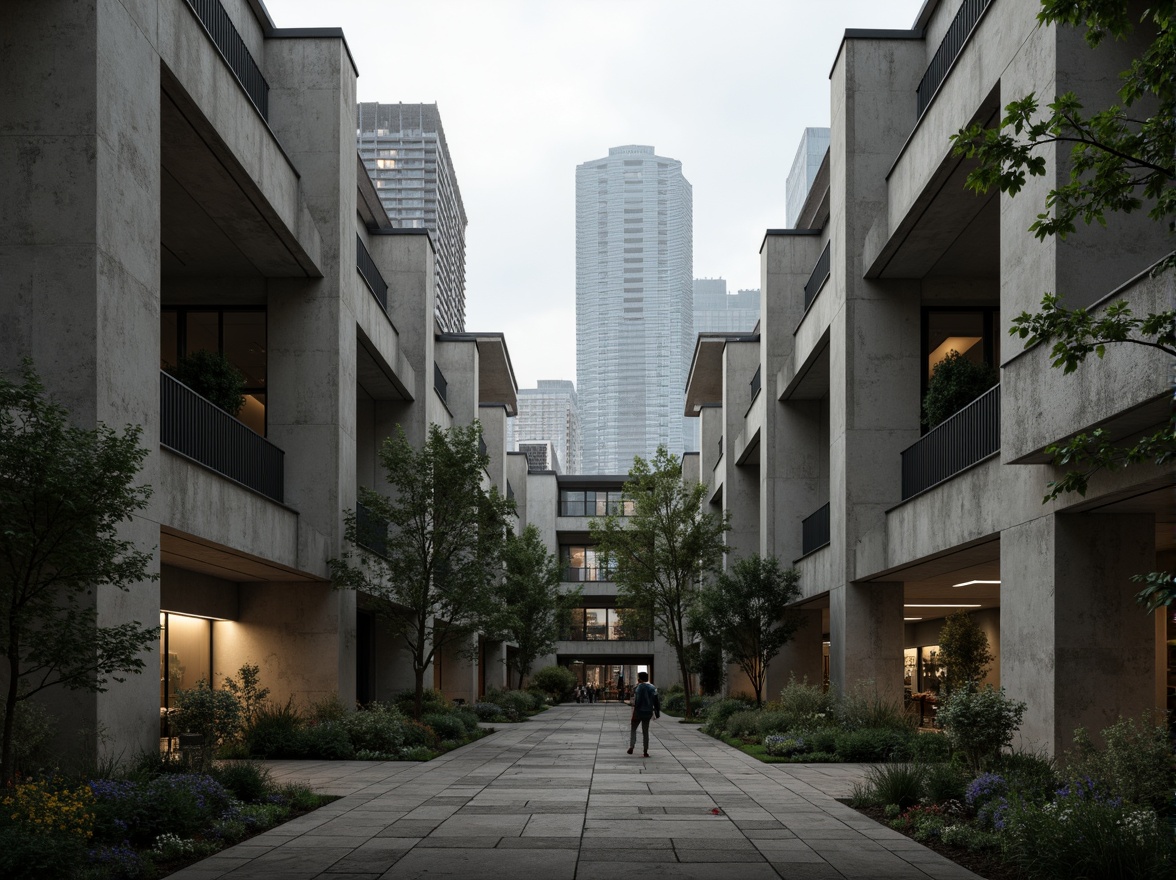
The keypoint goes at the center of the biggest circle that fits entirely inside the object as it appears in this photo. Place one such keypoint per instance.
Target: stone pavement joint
(557, 798)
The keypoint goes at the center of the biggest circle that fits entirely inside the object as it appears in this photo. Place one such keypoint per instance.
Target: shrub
(246, 687)
(870, 744)
(518, 702)
(275, 732)
(930, 748)
(249, 781)
(1083, 833)
(900, 784)
(674, 703)
(488, 711)
(1031, 776)
(822, 739)
(378, 727)
(431, 701)
(969, 837)
(446, 725)
(39, 855)
(864, 707)
(469, 720)
(555, 681)
(782, 745)
(210, 375)
(329, 708)
(419, 736)
(1135, 765)
(51, 806)
(955, 382)
(981, 722)
(944, 782)
(120, 860)
(215, 715)
(770, 722)
(963, 649)
(327, 740)
(802, 700)
(718, 713)
(32, 729)
(743, 723)
(174, 803)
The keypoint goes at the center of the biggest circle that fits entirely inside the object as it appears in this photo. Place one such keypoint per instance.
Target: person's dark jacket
(646, 702)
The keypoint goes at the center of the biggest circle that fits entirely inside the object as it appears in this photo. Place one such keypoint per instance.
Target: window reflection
(607, 624)
(583, 564)
(588, 502)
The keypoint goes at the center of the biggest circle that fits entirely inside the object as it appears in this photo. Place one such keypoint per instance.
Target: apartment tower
(634, 305)
(549, 413)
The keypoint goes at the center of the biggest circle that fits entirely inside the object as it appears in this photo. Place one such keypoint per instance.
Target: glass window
(966, 331)
(574, 630)
(596, 624)
(186, 654)
(202, 332)
(169, 339)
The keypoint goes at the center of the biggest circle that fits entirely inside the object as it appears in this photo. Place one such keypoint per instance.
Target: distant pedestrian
(646, 705)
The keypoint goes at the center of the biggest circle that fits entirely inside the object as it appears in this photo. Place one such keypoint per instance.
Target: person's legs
(633, 735)
(644, 735)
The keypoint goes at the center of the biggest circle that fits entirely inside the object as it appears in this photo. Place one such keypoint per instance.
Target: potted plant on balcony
(955, 382)
(210, 375)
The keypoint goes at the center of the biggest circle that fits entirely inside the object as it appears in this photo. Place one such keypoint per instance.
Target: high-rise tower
(403, 147)
(634, 306)
(549, 412)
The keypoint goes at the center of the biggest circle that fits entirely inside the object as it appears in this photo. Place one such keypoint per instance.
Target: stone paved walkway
(557, 798)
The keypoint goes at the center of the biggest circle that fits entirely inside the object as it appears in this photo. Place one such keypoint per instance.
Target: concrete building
(221, 204)
(634, 321)
(549, 413)
(404, 149)
(541, 456)
(811, 435)
(806, 166)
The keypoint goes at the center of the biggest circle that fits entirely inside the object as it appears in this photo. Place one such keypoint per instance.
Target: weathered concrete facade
(891, 259)
(152, 185)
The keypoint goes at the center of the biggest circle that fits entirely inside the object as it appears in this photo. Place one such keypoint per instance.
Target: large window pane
(949, 331)
(169, 339)
(245, 345)
(203, 332)
(596, 624)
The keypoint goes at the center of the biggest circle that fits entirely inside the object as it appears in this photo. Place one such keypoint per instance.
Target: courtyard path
(557, 798)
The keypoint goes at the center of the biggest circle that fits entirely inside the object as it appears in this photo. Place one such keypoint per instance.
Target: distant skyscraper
(814, 143)
(403, 147)
(549, 413)
(634, 306)
(716, 311)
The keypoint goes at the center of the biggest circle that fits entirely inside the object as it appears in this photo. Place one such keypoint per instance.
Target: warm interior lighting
(970, 583)
(912, 618)
(951, 605)
(952, 343)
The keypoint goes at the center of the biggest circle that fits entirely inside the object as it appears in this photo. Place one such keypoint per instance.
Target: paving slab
(557, 798)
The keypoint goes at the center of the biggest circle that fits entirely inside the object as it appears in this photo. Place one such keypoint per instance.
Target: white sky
(529, 89)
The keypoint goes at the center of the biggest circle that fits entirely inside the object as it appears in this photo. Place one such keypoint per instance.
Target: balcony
(820, 273)
(953, 43)
(814, 530)
(228, 42)
(205, 433)
(965, 439)
(595, 574)
(370, 273)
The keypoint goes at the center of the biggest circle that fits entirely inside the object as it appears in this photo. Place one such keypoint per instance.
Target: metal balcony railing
(228, 42)
(957, 35)
(820, 273)
(814, 530)
(370, 531)
(439, 384)
(587, 575)
(959, 442)
(755, 383)
(370, 273)
(205, 433)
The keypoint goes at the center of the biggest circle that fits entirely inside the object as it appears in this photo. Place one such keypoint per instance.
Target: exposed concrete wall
(1074, 645)
(866, 638)
(190, 592)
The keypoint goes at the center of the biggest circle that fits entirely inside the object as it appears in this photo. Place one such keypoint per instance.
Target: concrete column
(1074, 645)
(866, 638)
(801, 658)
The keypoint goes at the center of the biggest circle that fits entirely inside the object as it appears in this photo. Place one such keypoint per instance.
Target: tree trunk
(418, 707)
(682, 666)
(7, 752)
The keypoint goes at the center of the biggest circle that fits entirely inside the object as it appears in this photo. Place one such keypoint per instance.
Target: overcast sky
(529, 89)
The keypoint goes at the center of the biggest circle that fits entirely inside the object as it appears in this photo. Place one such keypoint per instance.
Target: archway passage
(612, 676)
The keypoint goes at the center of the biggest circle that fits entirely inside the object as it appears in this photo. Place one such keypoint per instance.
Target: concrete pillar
(801, 658)
(866, 638)
(79, 277)
(1074, 645)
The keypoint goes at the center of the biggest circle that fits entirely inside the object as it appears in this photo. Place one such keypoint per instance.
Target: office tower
(550, 413)
(403, 147)
(814, 144)
(716, 311)
(634, 305)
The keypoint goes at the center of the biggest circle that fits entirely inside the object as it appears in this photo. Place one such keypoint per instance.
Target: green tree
(746, 611)
(533, 607)
(1122, 160)
(442, 557)
(955, 382)
(963, 649)
(210, 375)
(64, 491)
(663, 550)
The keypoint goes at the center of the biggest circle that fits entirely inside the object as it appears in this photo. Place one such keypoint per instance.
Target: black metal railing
(228, 42)
(370, 530)
(755, 383)
(587, 575)
(439, 384)
(371, 273)
(958, 442)
(953, 42)
(205, 433)
(814, 530)
(820, 273)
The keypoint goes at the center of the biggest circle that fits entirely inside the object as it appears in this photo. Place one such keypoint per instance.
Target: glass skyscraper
(549, 413)
(634, 306)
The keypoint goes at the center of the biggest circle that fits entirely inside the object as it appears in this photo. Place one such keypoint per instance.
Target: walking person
(646, 705)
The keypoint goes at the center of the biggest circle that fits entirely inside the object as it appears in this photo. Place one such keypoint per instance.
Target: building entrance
(614, 679)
